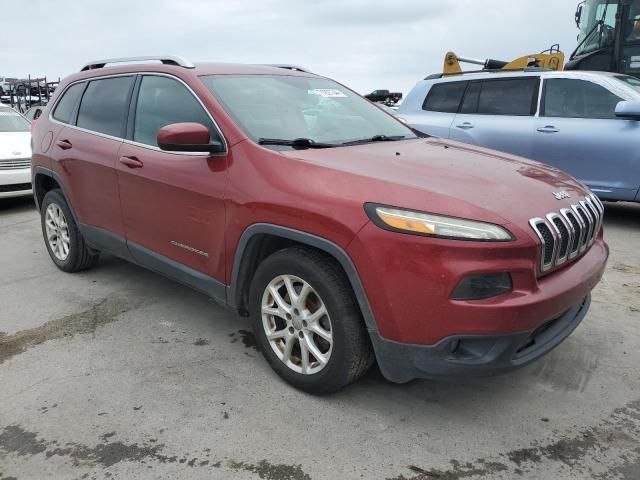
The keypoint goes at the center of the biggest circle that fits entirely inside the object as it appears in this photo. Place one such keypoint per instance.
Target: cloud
(364, 44)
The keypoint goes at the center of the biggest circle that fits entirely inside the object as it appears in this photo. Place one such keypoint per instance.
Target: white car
(15, 154)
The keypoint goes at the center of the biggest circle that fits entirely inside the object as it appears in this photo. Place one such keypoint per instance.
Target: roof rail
(296, 68)
(487, 70)
(165, 59)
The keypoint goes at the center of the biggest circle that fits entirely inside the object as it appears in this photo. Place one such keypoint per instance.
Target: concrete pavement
(119, 373)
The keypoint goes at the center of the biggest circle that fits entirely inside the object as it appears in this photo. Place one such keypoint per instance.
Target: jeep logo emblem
(560, 195)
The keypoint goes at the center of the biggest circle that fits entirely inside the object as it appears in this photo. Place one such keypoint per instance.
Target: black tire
(351, 354)
(80, 256)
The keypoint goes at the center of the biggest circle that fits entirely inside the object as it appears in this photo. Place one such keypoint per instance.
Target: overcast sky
(365, 44)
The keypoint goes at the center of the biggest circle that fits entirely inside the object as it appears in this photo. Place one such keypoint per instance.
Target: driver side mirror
(187, 137)
(628, 109)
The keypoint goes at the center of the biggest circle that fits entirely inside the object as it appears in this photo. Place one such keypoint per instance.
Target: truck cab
(609, 38)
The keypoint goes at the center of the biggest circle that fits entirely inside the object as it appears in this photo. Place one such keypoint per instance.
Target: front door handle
(465, 126)
(131, 162)
(64, 144)
(548, 129)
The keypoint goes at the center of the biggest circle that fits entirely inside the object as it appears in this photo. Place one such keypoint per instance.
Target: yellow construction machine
(552, 59)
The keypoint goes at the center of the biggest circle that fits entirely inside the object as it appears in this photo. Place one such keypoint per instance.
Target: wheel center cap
(297, 323)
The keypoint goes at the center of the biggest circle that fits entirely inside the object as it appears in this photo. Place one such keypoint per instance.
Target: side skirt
(100, 239)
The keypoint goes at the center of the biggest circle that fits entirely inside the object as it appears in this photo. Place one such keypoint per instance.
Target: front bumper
(463, 356)
(15, 183)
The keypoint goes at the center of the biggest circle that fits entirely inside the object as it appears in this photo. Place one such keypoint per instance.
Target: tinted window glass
(104, 105)
(444, 97)
(67, 103)
(633, 23)
(471, 97)
(508, 97)
(564, 97)
(163, 101)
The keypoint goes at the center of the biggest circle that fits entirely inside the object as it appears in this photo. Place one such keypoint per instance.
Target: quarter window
(68, 102)
(572, 98)
(444, 97)
(514, 96)
(104, 105)
(163, 101)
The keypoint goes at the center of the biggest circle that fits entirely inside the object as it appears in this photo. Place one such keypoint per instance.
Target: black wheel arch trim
(40, 170)
(337, 252)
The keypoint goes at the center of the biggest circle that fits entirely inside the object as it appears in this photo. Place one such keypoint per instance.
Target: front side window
(163, 101)
(68, 101)
(514, 96)
(444, 97)
(632, 28)
(10, 121)
(293, 107)
(573, 98)
(597, 25)
(104, 105)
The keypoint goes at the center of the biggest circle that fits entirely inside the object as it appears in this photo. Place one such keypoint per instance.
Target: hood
(450, 178)
(15, 145)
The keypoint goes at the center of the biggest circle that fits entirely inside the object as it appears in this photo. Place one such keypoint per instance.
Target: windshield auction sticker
(327, 92)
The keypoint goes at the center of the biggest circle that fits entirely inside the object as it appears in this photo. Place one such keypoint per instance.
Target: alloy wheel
(297, 324)
(57, 232)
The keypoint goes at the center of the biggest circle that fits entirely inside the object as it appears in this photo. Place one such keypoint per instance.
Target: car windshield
(10, 121)
(317, 110)
(632, 82)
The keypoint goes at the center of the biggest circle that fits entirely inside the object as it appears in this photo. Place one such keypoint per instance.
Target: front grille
(14, 163)
(16, 187)
(568, 233)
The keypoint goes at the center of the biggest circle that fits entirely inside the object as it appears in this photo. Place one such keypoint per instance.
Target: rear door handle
(548, 129)
(64, 144)
(465, 126)
(131, 162)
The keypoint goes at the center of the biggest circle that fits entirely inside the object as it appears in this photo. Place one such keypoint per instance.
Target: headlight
(418, 223)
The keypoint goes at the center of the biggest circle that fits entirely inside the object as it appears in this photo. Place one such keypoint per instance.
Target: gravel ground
(120, 373)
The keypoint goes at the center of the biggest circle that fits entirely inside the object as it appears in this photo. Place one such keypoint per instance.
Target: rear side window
(68, 102)
(104, 105)
(162, 101)
(572, 98)
(515, 96)
(444, 97)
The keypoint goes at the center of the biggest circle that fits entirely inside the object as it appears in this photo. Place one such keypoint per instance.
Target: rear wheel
(307, 322)
(63, 239)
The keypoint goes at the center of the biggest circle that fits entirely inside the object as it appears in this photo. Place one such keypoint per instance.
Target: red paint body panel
(175, 199)
(88, 169)
(409, 279)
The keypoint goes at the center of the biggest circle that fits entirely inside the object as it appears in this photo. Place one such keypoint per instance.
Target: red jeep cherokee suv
(344, 234)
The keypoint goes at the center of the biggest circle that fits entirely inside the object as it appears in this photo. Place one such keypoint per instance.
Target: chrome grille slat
(582, 216)
(562, 235)
(575, 230)
(566, 234)
(596, 218)
(14, 163)
(598, 208)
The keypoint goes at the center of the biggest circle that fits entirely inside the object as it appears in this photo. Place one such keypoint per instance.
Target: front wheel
(307, 322)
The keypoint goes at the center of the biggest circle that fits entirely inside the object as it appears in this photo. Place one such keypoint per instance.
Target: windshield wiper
(376, 138)
(298, 143)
